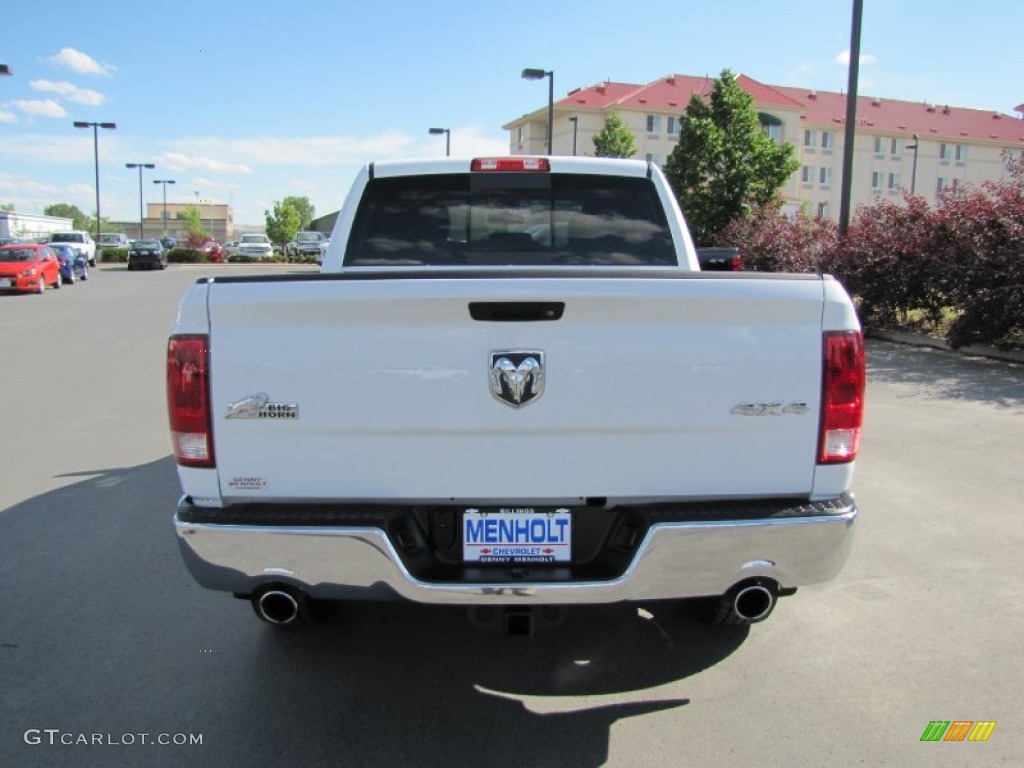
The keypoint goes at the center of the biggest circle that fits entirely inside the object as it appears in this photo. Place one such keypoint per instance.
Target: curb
(917, 340)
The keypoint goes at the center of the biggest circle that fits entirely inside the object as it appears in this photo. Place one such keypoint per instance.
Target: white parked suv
(255, 245)
(78, 239)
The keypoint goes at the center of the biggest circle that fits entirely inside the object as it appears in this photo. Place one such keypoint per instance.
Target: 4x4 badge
(517, 376)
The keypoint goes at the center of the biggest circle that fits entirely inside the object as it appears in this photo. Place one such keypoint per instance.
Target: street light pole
(537, 74)
(913, 168)
(96, 162)
(575, 124)
(165, 182)
(447, 139)
(140, 166)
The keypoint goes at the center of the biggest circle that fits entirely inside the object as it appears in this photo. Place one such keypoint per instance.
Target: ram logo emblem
(247, 407)
(517, 377)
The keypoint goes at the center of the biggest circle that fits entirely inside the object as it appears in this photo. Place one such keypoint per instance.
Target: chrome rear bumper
(674, 560)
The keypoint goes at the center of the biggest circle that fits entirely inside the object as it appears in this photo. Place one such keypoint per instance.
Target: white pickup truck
(511, 385)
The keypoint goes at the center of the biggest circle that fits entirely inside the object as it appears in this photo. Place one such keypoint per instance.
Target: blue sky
(248, 102)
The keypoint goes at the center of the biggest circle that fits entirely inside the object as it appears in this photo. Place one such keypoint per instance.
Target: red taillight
(188, 399)
(736, 263)
(842, 397)
(510, 164)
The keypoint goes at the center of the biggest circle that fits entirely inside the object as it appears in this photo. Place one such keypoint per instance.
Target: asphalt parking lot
(103, 632)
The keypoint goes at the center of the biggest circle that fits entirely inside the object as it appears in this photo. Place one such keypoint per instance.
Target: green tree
(725, 165)
(283, 223)
(193, 221)
(305, 209)
(614, 139)
(67, 211)
(9, 207)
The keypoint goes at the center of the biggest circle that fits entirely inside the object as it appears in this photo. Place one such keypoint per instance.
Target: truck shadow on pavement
(945, 375)
(105, 632)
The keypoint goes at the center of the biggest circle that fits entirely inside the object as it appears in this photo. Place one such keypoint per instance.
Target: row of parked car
(34, 267)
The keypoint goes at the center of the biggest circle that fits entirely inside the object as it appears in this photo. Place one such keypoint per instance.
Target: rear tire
(85, 273)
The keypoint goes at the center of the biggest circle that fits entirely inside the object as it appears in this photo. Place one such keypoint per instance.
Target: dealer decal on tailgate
(517, 535)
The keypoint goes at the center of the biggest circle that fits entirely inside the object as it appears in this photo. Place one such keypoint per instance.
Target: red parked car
(28, 267)
(212, 250)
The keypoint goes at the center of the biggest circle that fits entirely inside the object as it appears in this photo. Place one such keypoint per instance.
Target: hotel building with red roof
(954, 146)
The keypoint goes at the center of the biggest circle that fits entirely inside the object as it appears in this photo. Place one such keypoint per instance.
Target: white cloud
(37, 108)
(468, 142)
(76, 147)
(843, 57)
(71, 92)
(178, 161)
(202, 181)
(7, 117)
(25, 186)
(79, 62)
(315, 151)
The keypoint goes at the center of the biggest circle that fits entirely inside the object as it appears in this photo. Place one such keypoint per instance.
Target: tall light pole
(575, 120)
(913, 168)
(165, 182)
(5, 70)
(537, 74)
(447, 138)
(850, 134)
(96, 160)
(140, 166)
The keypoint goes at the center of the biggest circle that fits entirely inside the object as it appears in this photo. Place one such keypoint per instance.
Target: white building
(30, 226)
(954, 145)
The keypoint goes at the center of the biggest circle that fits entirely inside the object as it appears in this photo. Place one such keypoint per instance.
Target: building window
(652, 158)
(945, 152)
(675, 124)
(519, 134)
(940, 184)
(879, 145)
(654, 124)
(822, 210)
(771, 125)
(877, 178)
(807, 174)
(955, 185)
(896, 147)
(828, 140)
(894, 182)
(961, 153)
(810, 139)
(824, 175)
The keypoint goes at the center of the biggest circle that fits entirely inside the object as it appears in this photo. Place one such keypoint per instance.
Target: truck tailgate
(382, 388)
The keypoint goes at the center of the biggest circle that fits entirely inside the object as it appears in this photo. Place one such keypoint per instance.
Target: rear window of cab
(510, 219)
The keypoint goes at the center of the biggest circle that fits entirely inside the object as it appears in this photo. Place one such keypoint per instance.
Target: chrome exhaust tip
(275, 606)
(753, 603)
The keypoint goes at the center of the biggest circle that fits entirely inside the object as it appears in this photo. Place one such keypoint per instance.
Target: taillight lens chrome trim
(844, 377)
(188, 399)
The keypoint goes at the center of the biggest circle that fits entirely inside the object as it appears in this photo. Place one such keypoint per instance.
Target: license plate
(517, 535)
(6, 284)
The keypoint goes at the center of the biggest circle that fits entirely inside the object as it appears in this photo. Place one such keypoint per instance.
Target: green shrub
(187, 256)
(238, 258)
(114, 255)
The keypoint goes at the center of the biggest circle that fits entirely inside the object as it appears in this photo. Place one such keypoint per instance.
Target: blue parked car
(73, 263)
